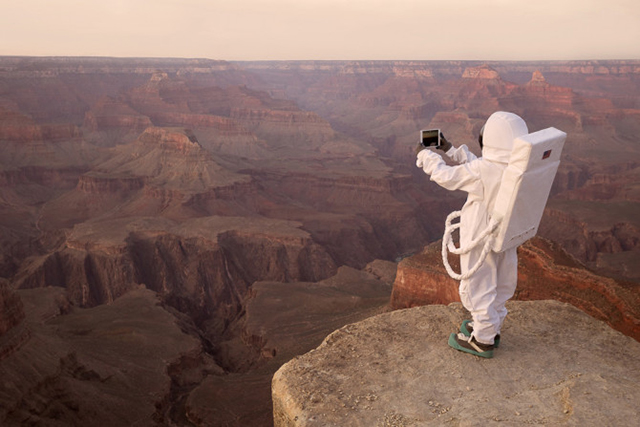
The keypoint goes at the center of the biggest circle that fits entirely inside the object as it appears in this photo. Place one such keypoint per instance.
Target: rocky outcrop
(541, 95)
(537, 79)
(163, 158)
(481, 89)
(165, 171)
(217, 134)
(173, 139)
(484, 72)
(545, 271)
(102, 261)
(91, 278)
(422, 280)
(396, 369)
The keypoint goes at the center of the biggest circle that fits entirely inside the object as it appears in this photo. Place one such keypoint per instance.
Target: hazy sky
(324, 29)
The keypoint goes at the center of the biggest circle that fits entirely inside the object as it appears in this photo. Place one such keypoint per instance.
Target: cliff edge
(555, 365)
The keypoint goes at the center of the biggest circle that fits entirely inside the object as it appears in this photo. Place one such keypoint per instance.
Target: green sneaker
(467, 327)
(470, 345)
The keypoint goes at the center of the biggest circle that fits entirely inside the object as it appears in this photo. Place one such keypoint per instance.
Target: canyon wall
(594, 102)
(217, 195)
(12, 309)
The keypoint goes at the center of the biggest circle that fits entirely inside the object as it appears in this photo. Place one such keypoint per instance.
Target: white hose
(448, 245)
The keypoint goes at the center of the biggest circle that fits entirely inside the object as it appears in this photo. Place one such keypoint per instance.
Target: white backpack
(522, 197)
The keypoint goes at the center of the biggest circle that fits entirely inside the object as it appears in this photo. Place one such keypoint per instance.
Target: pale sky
(323, 29)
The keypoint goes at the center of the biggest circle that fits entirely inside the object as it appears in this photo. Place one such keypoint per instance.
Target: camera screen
(430, 137)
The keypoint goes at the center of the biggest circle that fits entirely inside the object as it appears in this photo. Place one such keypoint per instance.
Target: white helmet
(498, 133)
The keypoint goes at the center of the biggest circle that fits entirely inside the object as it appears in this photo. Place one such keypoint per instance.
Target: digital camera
(431, 138)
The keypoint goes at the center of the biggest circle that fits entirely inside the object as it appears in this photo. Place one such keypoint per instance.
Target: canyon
(189, 225)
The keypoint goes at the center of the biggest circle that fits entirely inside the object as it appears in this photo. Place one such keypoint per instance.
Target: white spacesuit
(485, 293)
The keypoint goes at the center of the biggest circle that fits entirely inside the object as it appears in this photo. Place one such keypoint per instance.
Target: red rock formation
(480, 90)
(113, 122)
(203, 268)
(421, 280)
(18, 128)
(217, 134)
(545, 271)
(537, 79)
(484, 72)
(541, 95)
(182, 140)
(164, 172)
(166, 157)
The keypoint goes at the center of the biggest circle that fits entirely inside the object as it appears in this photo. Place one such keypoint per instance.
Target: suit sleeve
(465, 177)
(461, 154)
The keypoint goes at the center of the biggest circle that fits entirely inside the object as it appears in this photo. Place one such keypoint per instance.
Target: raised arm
(460, 154)
(465, 177)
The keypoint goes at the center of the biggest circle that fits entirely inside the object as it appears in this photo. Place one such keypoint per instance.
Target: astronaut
(485, 293)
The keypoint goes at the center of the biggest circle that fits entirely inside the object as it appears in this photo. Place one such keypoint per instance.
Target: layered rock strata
(203, 267)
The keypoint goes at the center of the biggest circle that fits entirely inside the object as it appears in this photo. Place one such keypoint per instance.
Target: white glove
(428, 161)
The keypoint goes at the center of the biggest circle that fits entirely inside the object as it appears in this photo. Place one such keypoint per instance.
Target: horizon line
(185, 58)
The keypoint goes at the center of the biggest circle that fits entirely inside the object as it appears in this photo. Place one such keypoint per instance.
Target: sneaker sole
(454, 343)
(464, 330)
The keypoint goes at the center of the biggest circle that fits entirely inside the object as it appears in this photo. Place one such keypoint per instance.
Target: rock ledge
(555, 365)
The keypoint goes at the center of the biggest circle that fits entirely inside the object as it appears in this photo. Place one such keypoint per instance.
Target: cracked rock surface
(555, 366)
